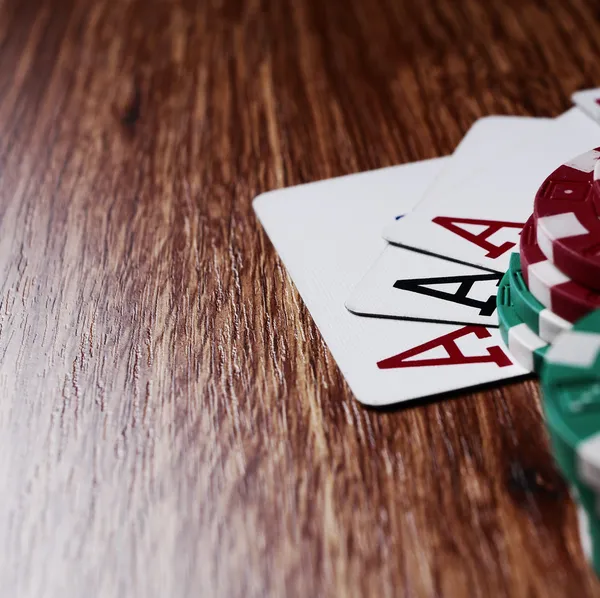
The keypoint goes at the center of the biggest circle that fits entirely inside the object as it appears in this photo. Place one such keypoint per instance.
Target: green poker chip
(589, 523)
(571, 389)
(586, 499)
(585, 537)
(545, 323)
(524, 345)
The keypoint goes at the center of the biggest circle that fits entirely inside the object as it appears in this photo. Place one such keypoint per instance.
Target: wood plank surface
(171, 422)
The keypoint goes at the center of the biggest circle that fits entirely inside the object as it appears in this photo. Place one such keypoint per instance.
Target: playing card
(327, 234)
(487, 140)
(414, 286)
(404, 284)
(480, 220)
(588, 100)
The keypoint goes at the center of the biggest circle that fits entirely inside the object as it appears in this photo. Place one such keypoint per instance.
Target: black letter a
(418, 285)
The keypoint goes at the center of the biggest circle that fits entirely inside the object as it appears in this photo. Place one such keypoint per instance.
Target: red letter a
(492, 226)
(494, 354)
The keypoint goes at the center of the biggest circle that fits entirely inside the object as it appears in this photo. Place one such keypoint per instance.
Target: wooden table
(171, 422)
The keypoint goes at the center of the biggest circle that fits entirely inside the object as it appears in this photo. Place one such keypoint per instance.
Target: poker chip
(561, 295)
(567, 218)
(588, 523)
(585, 497)
(571, 387)
(585, 538)
(545, 323)
(523, 344)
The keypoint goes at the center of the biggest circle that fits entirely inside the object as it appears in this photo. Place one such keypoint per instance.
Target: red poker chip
(556, 291)
(566, 212)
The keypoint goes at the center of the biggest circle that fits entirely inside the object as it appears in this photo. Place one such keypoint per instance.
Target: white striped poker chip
(585, 538)
(550, 325)
(571, 388)
(588, 522)
(542, 321)
(551, 287)
(567, 219)
(523, 344)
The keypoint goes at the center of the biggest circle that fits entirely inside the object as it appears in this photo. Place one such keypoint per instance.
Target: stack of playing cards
(400, 267)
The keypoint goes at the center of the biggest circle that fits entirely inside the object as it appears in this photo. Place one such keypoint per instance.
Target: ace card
(327, 235)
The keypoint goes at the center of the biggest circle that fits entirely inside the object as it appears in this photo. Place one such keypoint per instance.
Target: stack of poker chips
(549, 316)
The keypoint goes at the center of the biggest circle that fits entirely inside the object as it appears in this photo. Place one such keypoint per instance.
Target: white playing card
(327, 234)
(588, 100)
(480, 220)
(414, 286)
(486, 141)
(382, 293)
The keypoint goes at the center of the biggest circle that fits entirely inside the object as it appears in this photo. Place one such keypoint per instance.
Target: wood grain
(171, 422)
